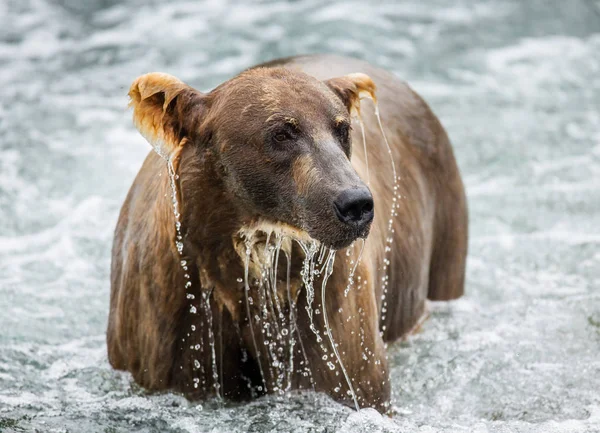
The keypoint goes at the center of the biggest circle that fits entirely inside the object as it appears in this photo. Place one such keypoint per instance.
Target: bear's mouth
(272, 230)
(263, 233)
(256, 237)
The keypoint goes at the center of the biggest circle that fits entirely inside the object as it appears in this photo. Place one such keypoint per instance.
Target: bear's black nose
(354, 206)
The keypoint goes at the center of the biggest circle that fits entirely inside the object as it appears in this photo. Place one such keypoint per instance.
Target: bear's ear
(166, 111)
(352, 88)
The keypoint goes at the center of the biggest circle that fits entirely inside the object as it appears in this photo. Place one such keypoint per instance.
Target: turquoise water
(517, 85)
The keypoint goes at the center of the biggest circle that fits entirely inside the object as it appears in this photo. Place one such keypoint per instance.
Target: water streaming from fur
(274, 324)
(364, 139)
(306, 371)
(313, 267)
(355, 265)
(211, 341)
(387, 144)
(197, 365)
(390, 229)
(308, 277)
(248, 251)
(327, 274)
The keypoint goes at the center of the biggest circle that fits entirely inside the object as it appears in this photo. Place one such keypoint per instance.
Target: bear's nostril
(354, 206)
(367, 206)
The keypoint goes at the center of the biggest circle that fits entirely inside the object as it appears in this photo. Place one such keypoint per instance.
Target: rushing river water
(517, 85)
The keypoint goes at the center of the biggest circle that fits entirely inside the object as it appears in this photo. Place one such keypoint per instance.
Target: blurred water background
(516, 84)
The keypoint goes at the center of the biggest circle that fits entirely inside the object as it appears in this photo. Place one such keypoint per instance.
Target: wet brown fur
(149, 322)
(305, 175)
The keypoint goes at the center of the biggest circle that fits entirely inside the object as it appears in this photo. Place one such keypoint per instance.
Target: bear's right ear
(166, 111)
(352, 88)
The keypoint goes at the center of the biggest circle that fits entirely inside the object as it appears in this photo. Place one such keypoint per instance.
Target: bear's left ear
(352, 88)
(166, 111)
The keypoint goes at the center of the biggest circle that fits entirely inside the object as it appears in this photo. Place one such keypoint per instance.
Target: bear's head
(280, 140)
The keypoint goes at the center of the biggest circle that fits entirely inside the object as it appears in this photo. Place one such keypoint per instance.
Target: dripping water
(362, 130)
(294, 328)
(248, 245)
(270, 324)
(173, 177)
(308, 276)
(328, 272)
(283, 330)
(316, 268)
(280, 334)
(353, 271)
(211, 341)
(390, 229)
(387, 144)
(279, 242)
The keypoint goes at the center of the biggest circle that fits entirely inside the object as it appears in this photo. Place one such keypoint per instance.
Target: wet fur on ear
(352, 88)
(166, 111)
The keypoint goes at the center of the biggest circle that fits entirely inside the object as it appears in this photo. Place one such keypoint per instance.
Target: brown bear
(255, 205)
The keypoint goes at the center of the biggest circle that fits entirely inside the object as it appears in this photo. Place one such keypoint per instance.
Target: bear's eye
(282, 136)
(343, 131)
